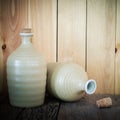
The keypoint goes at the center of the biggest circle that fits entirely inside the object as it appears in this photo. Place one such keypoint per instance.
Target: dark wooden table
(54, 109)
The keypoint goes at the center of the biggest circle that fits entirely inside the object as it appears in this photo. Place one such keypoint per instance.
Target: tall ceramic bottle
(26, 74)
(69, 81)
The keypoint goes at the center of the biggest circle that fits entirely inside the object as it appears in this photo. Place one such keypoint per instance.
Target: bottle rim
(90, 86)
(26, 34)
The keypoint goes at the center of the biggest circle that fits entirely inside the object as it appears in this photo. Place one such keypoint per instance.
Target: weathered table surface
(54, 109)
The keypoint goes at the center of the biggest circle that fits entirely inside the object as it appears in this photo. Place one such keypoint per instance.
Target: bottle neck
(26, 40)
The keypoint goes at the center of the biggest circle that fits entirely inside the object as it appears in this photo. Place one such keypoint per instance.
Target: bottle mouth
(26, 34)
(90, 86)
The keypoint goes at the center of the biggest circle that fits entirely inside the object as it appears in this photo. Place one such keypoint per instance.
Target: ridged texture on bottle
(66, 81)
(26, 75)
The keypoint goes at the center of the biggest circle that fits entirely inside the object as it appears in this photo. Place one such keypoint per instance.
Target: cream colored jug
(68, 81)
(26, 74)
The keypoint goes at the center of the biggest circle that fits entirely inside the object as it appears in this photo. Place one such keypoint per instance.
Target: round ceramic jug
(26, 74)
(68, 81)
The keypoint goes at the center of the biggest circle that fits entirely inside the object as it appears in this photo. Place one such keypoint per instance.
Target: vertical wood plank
(71, 31)
(0, 16)
(101, 43)
(117, 62)
(42, 19)
(13, 19)
(1, 52)
(1, 56)
(1, 64)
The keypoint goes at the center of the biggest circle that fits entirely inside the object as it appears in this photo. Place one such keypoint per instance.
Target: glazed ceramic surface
(68, 81)
(26, 74)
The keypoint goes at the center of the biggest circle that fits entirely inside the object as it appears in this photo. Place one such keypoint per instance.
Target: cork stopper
(104, 102)
(26, 30)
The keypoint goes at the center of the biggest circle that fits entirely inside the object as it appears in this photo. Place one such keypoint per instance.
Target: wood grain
(71, 31)
(117, 56)
(1, 55)
(53, 109)
(13, 19)
(101, 43)
(48, 111)
(86, 109)
(0, 16)
(42, 19)
(1, 66)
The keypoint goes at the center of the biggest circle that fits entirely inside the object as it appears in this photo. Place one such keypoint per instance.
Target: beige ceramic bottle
(68, 81)
(26, 74)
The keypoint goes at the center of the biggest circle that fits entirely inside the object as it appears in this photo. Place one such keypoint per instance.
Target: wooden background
(84, 31)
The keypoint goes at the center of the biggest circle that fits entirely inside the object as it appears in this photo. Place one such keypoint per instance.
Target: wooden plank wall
(83, 31)
(71, 31)
(1, 55)
(42, 19)
(13, 19)
(101, 43)
(117, 57)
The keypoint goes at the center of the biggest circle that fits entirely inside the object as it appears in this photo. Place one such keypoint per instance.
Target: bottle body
(26, 76)
(68, 81)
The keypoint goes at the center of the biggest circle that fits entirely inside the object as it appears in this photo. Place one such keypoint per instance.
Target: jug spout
(90, 86)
